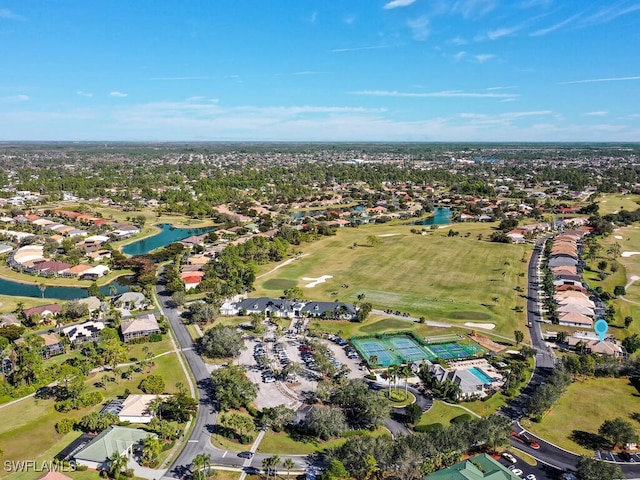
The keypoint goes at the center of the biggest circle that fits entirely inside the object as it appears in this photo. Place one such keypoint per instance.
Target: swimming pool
(481, 375)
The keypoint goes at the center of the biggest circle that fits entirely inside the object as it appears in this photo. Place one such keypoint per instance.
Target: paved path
(286, 262)
(199, 440)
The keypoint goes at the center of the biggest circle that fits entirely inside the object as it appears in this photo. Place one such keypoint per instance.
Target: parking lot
(266, 359)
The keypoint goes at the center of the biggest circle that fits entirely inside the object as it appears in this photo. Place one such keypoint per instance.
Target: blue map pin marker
(601, 327)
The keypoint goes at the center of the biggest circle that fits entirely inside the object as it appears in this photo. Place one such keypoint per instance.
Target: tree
(201, 312)
(519, 335)
(628, 321)
(151, 449)
(42, 288)
(288, 465)
(294, 293)
(116, 463)
(178, 298)
(619, 291)
(179, 408)
(221, 342)
(335, 471)
(373, 240)
(325, 422)
(277, 417)
(364, 311)
(631, 343)
(200, 466)
(373, 360)
(618, 431)
(406, 372)
(269, 464)
(153, 384)
(614, 251)
(592, 469)
(413, 412)
(232, 388)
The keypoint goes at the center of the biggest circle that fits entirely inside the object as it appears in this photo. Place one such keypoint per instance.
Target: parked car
(508, 456)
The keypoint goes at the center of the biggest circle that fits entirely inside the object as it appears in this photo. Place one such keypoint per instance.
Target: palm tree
(269, 463)
(42, 288)
(288, 464)
(373, 360)
(201, 465)
(406, 372)
(112, 290)
(151, 448)
(116, 463)
(392, 371)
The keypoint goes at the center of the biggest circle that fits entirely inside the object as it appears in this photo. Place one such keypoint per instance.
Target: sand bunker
(629, 254)
(486, 326)
(619, 237)
(388, 234)
(316, 281)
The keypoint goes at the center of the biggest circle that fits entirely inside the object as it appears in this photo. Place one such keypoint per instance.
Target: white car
(517, 471)
(509, 457)
(531, 476)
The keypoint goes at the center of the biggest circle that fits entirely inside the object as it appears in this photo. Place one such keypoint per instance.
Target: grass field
(583, 408)
(439, 277)
(440, 413)
(27, 430)
(614, 202)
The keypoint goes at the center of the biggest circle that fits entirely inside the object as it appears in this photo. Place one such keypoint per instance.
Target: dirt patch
(487, 343)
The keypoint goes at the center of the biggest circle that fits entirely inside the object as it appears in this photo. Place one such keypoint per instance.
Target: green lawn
(614, 202)
(440, 413)
(458, 279)
(584, 407)
(27, 430)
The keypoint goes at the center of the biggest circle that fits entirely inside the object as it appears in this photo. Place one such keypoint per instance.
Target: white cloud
(501, 32)
(419, 28)
(501, 88)
(357, 49)
(84, 94)
(459, 41)
(118, 94)
(596, 80)
(176, 79)
(398, 3)
(444, 94)
(14, 99)
(7, 14)
(553, 28)
(460, 55)
(484, 57)
(473, 8)
(598, 113)
(314, 17)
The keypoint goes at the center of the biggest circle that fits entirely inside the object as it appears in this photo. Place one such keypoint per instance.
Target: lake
(9, 287)
(441, 216)
(168, 234)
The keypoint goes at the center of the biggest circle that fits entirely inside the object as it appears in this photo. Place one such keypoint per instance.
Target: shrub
(155, 337)
(90, 399)
(253, 411)
(464, 418)
(65, 425)
(81, 468)
(433, 427)
(153, 384)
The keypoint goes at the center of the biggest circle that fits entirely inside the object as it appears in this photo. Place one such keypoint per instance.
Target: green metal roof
(480, 467)
(113, 439)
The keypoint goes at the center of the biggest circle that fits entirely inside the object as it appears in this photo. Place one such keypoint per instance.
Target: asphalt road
(545, 361)
(199, 440)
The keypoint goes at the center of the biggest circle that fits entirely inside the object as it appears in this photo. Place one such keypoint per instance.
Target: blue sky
(320, 70)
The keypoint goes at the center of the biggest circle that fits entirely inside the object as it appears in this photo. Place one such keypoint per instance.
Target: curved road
(545, 361)
(199, 440)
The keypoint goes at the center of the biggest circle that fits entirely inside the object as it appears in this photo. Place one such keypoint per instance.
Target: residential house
(7, 319)
(338, 310)
(84, 332)
(52, 345)
(140, 327)
(130, 300)
(50, 310)
(115, 439)
(4, 248)
(134, 408)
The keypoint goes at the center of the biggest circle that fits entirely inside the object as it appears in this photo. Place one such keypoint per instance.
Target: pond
(168, 234)
(9, 287)
(441, 216)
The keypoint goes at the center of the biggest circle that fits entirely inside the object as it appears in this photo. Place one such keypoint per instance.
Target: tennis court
(448, 351)
(400, 349)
